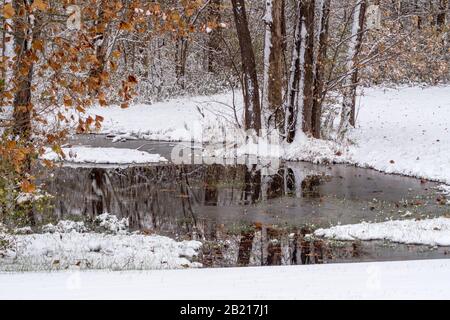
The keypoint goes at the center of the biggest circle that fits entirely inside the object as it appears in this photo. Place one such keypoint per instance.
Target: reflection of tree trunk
(305, 247)
(185, 194)
(318, 251)
(101, 203)
(276, 185)
(293, 244)
(274, 253)
(245, 247)
(211, 191)
(252, 186)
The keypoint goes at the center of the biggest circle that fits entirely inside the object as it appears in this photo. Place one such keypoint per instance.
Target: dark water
(245, 217)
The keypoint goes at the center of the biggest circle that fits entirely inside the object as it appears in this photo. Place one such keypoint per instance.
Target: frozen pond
(244, 215)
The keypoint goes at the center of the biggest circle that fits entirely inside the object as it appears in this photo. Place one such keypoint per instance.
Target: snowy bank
(434, 232)
(68, 245)
(427, 279)
(81, 154)
(404, 131)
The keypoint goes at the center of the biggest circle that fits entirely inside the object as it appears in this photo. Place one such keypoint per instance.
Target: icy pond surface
(243, 215)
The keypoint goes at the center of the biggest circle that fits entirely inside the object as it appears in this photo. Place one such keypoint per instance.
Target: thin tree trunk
(180, 65)
(300, 90)
(23, 71)
(252, 103)
(214, 47)
(273, 60)
(26, 31)
(308, 86)
(319, 80)
(441, 19)
(292, 111)
(351, 83)
(101, 49)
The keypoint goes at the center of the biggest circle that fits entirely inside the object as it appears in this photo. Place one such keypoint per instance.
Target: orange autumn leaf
(39, 5)
(27, 187)
(8, 11)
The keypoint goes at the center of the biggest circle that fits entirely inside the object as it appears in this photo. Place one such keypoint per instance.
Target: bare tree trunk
(101, 48)
(419, 14)
(214, 46)
(274, 60)
(300, 89)
(250, 88)
(23, 71)
(180, 65)
(25, 33)
(351, 83)
(319, 80)
(292, 111)
(308, 6)
(441, 19)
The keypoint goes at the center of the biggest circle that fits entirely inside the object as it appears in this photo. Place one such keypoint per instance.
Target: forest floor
(425, 279)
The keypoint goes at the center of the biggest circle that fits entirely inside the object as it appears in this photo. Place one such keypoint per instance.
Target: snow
(111, 223)
(82, 154)
(59, 251)
(433, 232)
(182, 119)
(402, 131)
(70, 244)
(426, 279)
(65, 226)
(410, 127)
(444, 189)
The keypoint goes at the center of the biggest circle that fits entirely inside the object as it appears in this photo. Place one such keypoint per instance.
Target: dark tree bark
(274, 252)
(308, 6)
(23, 71)
(245, 247)
(441, 18)
(101, 49)
(274, 60)
(301, 82)
(214, 46)
(252, 103)
(180, 64)
(319, 80)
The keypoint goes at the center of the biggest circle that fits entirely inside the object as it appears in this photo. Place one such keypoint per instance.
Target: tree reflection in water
(243, 216)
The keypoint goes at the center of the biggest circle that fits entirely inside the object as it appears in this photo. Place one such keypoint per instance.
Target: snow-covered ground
(183, 119)
(434, 232)
(403, 131)
(426, 279)
(70, 244)
(80, 154)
